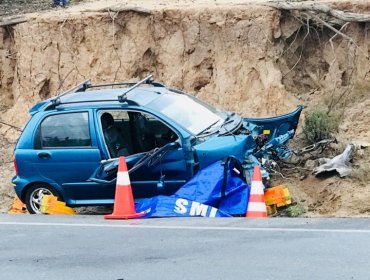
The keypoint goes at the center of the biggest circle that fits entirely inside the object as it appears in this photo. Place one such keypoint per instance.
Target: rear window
(65, 130)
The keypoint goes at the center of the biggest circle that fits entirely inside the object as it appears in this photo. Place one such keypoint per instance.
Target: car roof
(82, 97)
(141, 96)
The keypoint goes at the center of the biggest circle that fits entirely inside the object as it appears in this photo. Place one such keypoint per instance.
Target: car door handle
(44, 155)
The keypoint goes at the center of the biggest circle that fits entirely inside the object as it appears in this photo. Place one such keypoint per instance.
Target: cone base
(125, 217)
(256, 215)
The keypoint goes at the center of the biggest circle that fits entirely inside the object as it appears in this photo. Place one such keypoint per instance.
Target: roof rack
(79, 88)
(148, 80)
(153, 83)
(82, 87)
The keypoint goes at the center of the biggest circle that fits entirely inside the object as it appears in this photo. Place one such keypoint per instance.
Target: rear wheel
(34, 197)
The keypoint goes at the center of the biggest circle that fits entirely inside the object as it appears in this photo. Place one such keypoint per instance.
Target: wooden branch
(331, 27)
(339, 33)
(120, 8)
(319, 8)
(11, 22)
(11, 126)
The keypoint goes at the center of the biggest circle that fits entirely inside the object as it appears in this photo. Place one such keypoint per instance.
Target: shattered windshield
(187, 111)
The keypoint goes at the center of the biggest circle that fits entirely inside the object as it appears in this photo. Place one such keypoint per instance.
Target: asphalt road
(89, 247)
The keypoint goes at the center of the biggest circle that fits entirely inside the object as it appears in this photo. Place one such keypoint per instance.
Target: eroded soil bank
(242, 57)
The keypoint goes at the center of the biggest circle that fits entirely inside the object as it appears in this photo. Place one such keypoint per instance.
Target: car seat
(116, 144)
(143, 136)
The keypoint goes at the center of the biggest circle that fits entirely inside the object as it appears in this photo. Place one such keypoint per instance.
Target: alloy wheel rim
(36, 198)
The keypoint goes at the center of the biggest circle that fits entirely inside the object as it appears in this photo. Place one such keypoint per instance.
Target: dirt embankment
(252, 59)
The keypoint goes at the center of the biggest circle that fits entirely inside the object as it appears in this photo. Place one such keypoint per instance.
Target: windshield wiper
(227, 121)
(208, 127)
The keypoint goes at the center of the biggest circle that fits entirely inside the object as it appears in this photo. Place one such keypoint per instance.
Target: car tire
(34, 194)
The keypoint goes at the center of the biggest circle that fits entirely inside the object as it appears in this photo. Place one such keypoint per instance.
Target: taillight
(15, 166)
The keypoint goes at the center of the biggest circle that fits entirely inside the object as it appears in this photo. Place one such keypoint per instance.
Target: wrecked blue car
(70, 145)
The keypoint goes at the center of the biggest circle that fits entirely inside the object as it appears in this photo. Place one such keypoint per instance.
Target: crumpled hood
(217, 148)
(275, 126)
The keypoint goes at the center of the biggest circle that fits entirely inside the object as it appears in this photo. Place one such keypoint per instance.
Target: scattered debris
(18, 207)
(51, 205)
(279, 196)
(340, 163)
(271, 210)
(320, 145)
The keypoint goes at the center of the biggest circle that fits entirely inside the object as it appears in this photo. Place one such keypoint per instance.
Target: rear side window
(65, 130)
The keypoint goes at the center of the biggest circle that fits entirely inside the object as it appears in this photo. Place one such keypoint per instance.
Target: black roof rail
(79, 88)
(87, 84)
(113, 84)
(52, 106)
(147, 80)
(82, 87)
(155, 84)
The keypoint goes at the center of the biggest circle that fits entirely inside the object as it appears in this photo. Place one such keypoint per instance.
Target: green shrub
(318, 126)
(293, 210)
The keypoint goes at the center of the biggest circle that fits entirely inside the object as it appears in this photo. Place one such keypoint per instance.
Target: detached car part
(340, 163)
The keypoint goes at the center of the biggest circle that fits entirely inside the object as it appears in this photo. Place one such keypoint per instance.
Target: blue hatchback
(69, 146)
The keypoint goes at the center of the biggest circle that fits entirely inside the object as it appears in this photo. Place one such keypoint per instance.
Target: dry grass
(362, 174)
(361, 171)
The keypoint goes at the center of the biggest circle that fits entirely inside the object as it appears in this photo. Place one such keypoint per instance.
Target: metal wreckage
(170, 140)
(221, 157)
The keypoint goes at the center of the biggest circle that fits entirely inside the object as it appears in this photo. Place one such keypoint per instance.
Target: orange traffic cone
(124, 206)
(256, 204)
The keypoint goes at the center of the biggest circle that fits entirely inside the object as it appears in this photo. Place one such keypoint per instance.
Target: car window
(187, 112)
(65, 130)
(119, 115)
(130, 132)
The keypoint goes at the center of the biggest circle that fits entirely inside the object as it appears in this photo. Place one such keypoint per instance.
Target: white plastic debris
(340, 163)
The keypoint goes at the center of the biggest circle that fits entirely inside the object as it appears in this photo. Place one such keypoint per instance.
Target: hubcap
(36, 199)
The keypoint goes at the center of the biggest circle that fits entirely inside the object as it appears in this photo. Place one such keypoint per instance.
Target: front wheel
(34, 197)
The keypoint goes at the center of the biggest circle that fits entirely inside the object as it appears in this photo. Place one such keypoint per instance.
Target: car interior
(128, 132)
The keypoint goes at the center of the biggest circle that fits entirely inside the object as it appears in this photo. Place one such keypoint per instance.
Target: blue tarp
(215, 191)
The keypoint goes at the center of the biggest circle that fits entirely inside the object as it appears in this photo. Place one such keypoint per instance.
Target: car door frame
(65, 188)
(183, 136)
